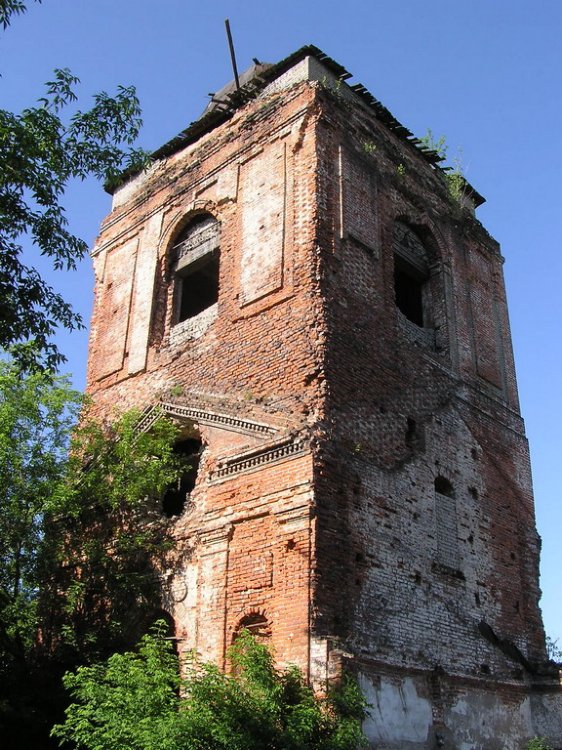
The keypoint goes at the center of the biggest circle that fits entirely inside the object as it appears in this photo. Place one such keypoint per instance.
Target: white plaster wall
(397, 713)
(483, 721)
(144, 293)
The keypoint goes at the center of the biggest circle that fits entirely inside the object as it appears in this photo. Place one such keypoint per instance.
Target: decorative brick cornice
(255, 459)
(202, 416)
(215, 419)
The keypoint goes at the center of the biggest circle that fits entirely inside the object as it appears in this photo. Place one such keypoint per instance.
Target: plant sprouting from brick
(454, 174)
(538, 743)
(334, 86)
(401, 170)
(369, 147)
(456, 182)
(439, 145)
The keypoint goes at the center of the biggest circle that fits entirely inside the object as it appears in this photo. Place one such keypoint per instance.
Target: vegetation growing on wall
(136, 701)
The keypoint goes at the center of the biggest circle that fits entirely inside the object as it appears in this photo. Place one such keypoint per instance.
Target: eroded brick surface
(365, 485)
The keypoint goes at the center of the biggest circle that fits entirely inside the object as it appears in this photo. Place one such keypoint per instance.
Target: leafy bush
(136, 701)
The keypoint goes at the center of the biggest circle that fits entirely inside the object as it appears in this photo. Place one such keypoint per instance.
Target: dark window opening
(411, 276)
(444, 487)
(195, 266)
(198, 286)
(408, 290)
(411, 432)
(175, 497)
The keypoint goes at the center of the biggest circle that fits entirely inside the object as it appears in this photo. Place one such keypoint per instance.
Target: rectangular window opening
(198, 286)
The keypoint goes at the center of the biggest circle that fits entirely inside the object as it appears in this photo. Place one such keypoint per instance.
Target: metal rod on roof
(232, 55)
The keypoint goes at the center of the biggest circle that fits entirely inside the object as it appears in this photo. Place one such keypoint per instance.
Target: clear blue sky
(486, 74)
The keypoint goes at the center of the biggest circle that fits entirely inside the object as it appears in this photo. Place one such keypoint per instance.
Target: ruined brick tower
(294, 282)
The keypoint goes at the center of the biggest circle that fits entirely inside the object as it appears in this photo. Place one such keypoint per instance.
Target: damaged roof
(252, 82)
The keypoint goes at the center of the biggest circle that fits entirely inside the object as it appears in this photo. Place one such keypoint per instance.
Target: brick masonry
(365, 486)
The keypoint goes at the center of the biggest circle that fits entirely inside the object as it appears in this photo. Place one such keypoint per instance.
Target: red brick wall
(339, 542)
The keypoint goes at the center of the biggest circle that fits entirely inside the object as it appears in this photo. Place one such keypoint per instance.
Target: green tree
(43, 149)
(107, 532)
(36, 415)
(74, 566)
(136, 701)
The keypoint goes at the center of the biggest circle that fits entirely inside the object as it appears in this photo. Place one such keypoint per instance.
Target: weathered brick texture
(365, 485)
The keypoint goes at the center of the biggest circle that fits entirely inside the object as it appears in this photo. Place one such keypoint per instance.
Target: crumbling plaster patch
(483, 721)
(396, 712)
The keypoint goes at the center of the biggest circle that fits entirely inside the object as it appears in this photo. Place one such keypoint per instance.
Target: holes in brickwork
(485, 669)
(444, 487)
(175, 497)
(198, 287)
(477, 599)
(195, 263)
(473, 492)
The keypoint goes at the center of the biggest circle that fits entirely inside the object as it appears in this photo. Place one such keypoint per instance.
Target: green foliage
(107, 532)
(43, 149)
(439, 145)
(134, 701)
(9, 8)
(76, 563)
(37, 412)
(129, 701)
(538, 743)
(454, 175)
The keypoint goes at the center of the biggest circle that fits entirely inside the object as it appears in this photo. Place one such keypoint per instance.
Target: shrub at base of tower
(136, 701)
(79, 562)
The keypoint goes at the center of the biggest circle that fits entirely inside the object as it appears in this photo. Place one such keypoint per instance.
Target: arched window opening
(257, 625)
(411, 273)
(446, 523)
(175, 497)
(195, 263)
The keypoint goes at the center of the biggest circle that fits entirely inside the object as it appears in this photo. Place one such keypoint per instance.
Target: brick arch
(166, 308)
(429, 235)
(257, 623)
(180, 217)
